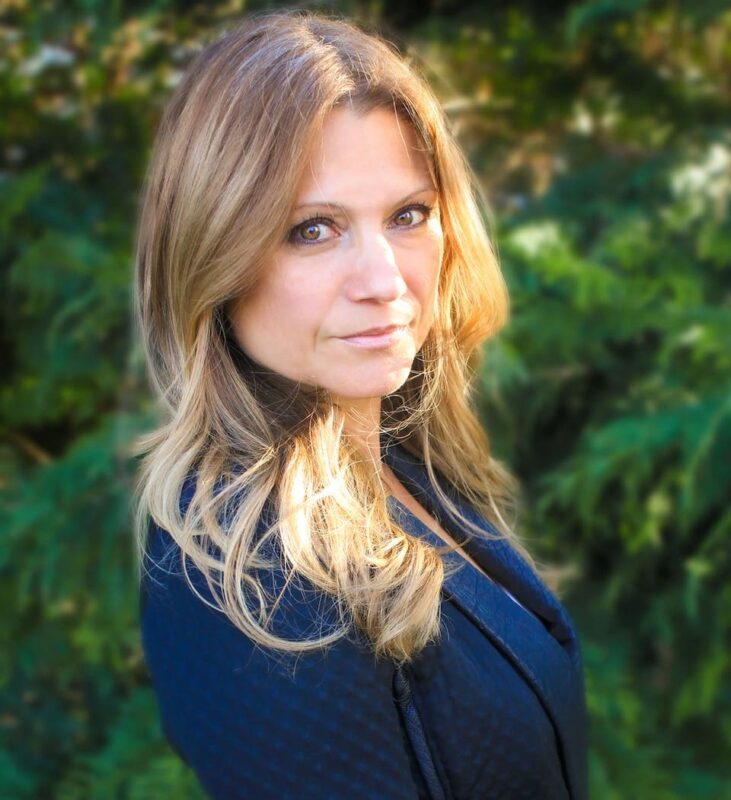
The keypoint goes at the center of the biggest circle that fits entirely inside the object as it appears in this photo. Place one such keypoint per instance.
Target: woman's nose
(375, 271)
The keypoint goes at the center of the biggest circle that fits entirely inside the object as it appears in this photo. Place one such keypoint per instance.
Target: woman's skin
(373, 261)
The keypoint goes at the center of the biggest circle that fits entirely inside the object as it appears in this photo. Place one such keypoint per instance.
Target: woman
(333, 604)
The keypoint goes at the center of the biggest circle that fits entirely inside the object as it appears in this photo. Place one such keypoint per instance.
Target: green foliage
(133, 763)
(600, 134)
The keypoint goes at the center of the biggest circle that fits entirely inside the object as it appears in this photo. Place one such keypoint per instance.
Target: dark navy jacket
(492, 711)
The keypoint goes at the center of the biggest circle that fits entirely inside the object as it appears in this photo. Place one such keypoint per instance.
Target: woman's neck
(363, 426)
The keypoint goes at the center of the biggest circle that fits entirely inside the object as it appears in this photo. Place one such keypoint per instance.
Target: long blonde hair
(221, 184)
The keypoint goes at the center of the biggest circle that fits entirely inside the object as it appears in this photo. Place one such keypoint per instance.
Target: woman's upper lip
(374, 331)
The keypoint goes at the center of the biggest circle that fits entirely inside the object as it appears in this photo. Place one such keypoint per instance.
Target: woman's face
(364, 251)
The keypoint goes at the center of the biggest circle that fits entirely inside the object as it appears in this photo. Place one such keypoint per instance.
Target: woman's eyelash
(292, 235)
(423, 207)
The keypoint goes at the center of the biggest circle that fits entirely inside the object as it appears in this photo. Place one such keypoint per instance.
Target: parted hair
(228, 156)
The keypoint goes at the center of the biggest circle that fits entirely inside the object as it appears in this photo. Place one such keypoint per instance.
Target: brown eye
(412, 216)
(311, 232)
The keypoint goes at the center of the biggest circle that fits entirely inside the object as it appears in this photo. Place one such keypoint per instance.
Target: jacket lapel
(538, 639)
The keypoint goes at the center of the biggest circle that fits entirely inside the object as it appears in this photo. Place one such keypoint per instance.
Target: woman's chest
(418, 510)
(487, 729)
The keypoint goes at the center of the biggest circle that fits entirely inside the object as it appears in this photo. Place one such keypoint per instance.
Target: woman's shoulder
(254, 722)
(174, 588)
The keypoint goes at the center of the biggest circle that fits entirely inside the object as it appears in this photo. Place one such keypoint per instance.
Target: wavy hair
(221, 184)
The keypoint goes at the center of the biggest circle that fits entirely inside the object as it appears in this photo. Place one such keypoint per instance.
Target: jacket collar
(550, 664)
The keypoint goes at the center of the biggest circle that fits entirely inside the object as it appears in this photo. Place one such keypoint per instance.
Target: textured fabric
(495, 709)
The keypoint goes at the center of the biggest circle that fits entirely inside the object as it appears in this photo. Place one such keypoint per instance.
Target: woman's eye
(412, 216)
(311, 231)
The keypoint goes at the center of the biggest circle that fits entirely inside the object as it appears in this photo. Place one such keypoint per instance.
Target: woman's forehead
(375, 151)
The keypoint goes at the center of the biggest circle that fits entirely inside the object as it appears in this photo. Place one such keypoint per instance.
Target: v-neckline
(439, 531)
(457, 549)
(495, 553)
(451, 542)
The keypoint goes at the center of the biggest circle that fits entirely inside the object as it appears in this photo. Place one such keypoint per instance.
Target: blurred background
(600, 131)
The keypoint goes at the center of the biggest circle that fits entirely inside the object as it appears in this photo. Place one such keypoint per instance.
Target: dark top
(494, 710)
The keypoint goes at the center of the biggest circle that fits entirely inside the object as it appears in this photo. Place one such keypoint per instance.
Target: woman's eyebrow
(340, 207)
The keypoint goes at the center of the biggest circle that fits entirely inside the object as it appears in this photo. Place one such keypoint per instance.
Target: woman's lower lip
(373, 341)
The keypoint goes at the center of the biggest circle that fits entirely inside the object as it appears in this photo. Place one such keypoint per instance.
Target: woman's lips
(373, 341)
